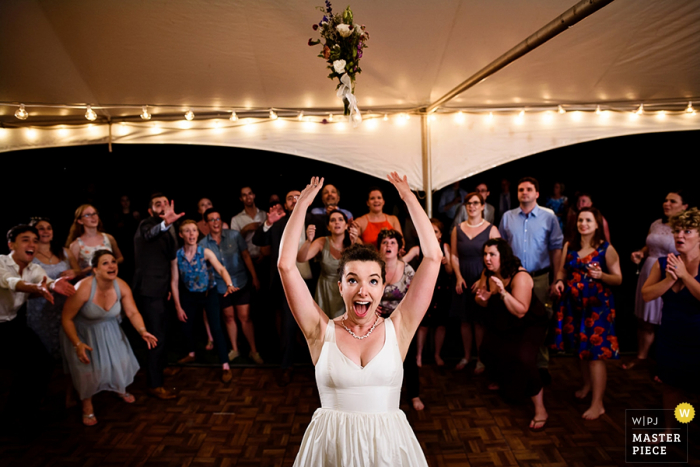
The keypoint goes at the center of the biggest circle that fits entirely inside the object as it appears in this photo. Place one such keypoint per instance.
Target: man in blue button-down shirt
(534, 234)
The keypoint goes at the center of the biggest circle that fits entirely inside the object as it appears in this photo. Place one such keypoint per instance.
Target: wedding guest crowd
(520, 278)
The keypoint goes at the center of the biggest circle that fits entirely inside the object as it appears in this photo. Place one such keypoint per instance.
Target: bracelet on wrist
(141, 330)
(75, 346)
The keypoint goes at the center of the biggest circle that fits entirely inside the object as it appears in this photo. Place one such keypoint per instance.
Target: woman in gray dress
(44, 318)
(90, 324)
(467, 243)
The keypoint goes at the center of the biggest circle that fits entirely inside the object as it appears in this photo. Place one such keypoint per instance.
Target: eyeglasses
(294, 197)
(474, 203)
(214, 219)
(90, 214)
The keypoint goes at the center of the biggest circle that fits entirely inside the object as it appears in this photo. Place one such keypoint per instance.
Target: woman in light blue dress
(95, 349)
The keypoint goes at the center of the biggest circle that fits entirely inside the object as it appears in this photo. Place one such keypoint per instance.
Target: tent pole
(110, 137)
(573, 15)
(427, 163)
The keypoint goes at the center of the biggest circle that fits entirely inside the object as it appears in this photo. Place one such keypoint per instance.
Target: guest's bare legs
(466, 330)
(479, 336)
(210, 341)
(422, 334)
(243, 313)
(439, 340)
(540, 412)
(88, 412)
(597, 379)
(231, 327)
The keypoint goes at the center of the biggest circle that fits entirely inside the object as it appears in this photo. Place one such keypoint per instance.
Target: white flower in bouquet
(339, 66)
(344, 30)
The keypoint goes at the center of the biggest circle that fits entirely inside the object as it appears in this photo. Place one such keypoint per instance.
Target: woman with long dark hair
(586, 313)
(516, 323)
(331, 249)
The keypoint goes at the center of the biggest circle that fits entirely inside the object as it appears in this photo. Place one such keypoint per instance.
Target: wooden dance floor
(253, 422)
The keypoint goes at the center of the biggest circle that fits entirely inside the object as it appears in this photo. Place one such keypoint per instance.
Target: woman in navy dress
(676, 280)
(586, 312)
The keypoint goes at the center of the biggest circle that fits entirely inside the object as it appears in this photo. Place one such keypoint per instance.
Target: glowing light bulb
(21, 113)
(597, 110)
(234, 117)
(301, 116)
(90, 114)
(561, 109)
(273, 115)
(330, 117)
(688, 109)
(189, 115)
(459, 118)
(386, 117)
(640, 110)
(490, 116)
(145, 115)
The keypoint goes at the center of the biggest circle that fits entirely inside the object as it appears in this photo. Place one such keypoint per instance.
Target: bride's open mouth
(361, 308)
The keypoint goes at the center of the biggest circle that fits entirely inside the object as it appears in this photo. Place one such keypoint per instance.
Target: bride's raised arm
(410, 311)
(305, 310)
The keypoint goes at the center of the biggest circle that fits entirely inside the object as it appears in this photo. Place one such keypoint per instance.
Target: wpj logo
(650, 437)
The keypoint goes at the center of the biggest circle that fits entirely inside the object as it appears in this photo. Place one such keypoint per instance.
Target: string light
(640, 110)
(597, 110)
(301, 116)
(145, 115)
(22, 113)
(330, 117)
(459, 118)
(189, 115)
(386, 117)
(234, 117)
(561, 109)
(490, 116)
(688, 109)
(90, 114)
(273, 115)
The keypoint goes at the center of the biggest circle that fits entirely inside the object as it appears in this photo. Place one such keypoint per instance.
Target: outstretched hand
(309, 193)
(169, 215)
(276, 213)
(43, 290)
(62, 286)
(401, 184)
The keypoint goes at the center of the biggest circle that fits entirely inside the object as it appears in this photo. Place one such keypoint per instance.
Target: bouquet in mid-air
(343, 41)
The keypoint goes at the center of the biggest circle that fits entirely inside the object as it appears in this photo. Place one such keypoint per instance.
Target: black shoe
(545, 376)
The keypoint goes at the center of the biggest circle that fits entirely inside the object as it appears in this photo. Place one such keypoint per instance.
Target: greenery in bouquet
(343, 42)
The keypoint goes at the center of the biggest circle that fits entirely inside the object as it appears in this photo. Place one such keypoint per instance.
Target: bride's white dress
(359, 422)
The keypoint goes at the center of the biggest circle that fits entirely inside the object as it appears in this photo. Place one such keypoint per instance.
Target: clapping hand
(499, 284)
(483, 295)
(676, 267)
(169, 215)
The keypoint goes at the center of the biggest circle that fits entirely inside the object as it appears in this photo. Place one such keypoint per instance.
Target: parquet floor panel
(253, 422)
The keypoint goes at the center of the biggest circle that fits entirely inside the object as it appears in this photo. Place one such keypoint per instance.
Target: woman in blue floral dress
(586, 312)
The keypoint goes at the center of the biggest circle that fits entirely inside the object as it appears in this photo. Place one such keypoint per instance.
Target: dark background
(628, 178)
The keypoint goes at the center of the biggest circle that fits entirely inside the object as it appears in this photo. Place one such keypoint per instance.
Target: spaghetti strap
(92, 289)
(118, 290)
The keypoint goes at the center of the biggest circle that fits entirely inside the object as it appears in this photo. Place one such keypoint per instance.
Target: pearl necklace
(376, 321)
(477, 225)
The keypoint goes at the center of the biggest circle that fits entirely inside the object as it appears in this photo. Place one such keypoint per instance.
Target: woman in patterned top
(87, 235)
(191, 286)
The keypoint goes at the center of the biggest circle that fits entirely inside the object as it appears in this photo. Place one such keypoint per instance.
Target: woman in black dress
(515, 323)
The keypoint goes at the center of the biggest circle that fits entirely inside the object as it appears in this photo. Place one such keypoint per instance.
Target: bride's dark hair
(361, 253)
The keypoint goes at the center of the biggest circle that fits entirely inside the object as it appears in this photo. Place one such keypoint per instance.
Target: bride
(358, 356)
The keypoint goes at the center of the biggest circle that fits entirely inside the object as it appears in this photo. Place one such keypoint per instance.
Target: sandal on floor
(462, 363)
(127, 397)
(210, 345)
(480, 368)
(535, 422)
(89, 419)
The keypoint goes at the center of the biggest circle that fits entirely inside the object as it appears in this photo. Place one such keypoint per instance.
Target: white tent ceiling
(221, 55)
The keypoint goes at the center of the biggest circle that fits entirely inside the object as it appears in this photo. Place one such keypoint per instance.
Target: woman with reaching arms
(87, 235)
(515, 322)
(676, 279)
(90, 324)
(358, 356)
(331, 248)
(659, 244)
(586, 313)
(369, 225)
(194, 291)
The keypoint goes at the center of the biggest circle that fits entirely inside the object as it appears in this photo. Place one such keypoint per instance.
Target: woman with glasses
(87, 235)
(467, 243)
